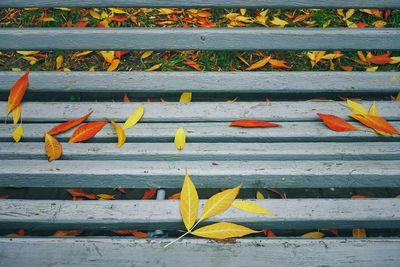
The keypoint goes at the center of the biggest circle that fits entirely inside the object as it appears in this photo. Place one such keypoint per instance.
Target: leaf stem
(170, 243)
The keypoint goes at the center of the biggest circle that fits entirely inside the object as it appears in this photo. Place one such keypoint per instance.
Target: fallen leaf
(16, 114)
(259, 64)
(379, 24)
(223, 230)
(269, 233)
(154, 67)
(380, 60)
(251, 207)
(79, 192)
(175, 196)
(81, 54)
(126, 99)
(67, 233)
(86, 131)
(146, 54)
(279, 22)
(149, 193)
(120, 133)
(180, 138)
(18, 133)
(59, 62)
(259, 195)
(114, 65)
(359, 233)
(373, 110)
(27, 53)
(108, 55)
(313, 235)
(65, 126)
(105, 197)
(52, 147)
(193, 64)
(186, 97)
(336, 124)
(17, 92)
(278, 64)
(377, 123)
(356, 108)
(134, 117)
(189, 202)
(122, 190)
(135, 233)
(253, 123)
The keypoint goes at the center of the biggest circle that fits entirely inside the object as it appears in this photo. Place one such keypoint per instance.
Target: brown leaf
(86, 131)
(63, 127)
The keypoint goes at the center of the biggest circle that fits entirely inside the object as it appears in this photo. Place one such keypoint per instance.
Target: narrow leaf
(18, 133)
(17, 92)
(86, 131)
(377, 123)
(78, 192)
(223, 230)
(149, 193)
(52, 147)
(336, 124)
(186, 97)
(16, 114)
(253, 124)
(134, 117)
(313, 235)
(120, 133)
(259, 64)
(219, 203)
(356, 108)
(67, 233)
(180, 139)
(251, 207)
(189, 202)
(63, 127)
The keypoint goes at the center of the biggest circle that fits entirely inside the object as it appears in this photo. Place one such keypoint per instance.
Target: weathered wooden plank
(194, 111)
(165, 215)
(207, 151)
(205, 3)
(206, 174)
(199, 252)
(207, 82)
(198, 38)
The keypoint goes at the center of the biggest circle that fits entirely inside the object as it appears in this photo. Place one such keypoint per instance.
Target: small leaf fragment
(134, 117)
(87, 131)
(120, 133)
(105, 197)
(60, 233)
(180, 138)
(18, 133)
(65, 126)
(359, 233)
(223, 230)
(146, 54)
(259, 195)
(336, 124)
(313, 235)
(52, 147)
(189, 202)
(251, 206)
(373, 110)
(253, 124)
(186, 97)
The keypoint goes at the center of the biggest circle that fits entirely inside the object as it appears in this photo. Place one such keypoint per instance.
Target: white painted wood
(257, 252)
(194, 111)
(207, 82)
(205, 174)
(207, 151)
(254, 38)
(165, 215)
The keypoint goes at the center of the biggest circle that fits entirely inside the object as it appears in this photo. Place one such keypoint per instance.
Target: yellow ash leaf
(326, 23)
(259, 64)
(108, 55)
(362, 56)
(52, 147)
(373, 110)
(279, 22)
(356, 108)
(340, 12)
(32, 60)
(251, 207)
(81, 54)
(59, 62)
(47, 19)
(223, 230)
(134, 117)
(114, 65)
(165, 11)
(219, 203)
(27, 53)
(92, 69)
(146, 54)
(186, 97)
(180, 139)
(94, 14)
(66, 70)
(105, 197)
(331, 56)
(372, 69)
(243, 11)
(394, 60)
(189, 202)
(259, 195)
(18, 133)
(118, 11)
(63, 8)
(359, 233)
(313, 235)
(16, 114)
(120, 133)
(155, 67)
(349, 13)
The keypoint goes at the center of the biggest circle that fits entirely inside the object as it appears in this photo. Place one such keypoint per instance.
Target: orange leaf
(119, 18)
(380, 60)
(86, 131)
(114, 65)
(278, 64)
(253, 123)
(79, 192)
(359, 233)
(126, 99)
(336, 124)
(135, 233)
(63, 127)
(105, 197)
(67, 233)
(259, 64)
(82, 24)
(377, 123)
(268, 233)
(17, 92)
(53, 147)
(175, 196)
(149, 193)
(192, 64)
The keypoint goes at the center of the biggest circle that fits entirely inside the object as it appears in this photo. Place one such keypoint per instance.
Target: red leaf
(361, 24)
(253, 123)
(120, 53)
(269, 233)
(119, 18)
(149, 193)
(17, 92)
(381, 59)
(21, 232)
(135, 233)
(336, 124)
(82, 24)
(63, 127)
(387, 13)
(79, 192)
(86, 131)
(122, 190)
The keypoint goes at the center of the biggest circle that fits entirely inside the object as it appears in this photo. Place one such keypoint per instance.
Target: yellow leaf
(243, 11)
(16, 69)
(27, 53)
(134, 117)
(180, 139)
(349, 13)
(379, 24)
(59, 62)
(331, 56)
(356, 108)
(120, 133)
(259, 195)
(81, 54)
(146, 54)
(18, 133)
(259, 64)
(189, 202)
(105, 197)
(373, 110)
(279, 22)
(32, 60)
(372, 69)
(94, 14)
(326, 23)
(47, 19)
(314, 235)
(394, 60)
(16, 114)
(108, 55)
(118, 11)
(155, 67)
(114, 65)
(223, 230)
(359, 233)
(186, 97)
(251, 207)
(219, 203)
(52, 147)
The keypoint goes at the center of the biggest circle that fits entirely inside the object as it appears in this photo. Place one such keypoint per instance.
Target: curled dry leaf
(120, 133)
(250, 206)
(186, 97)
(189, 202)
(17, 92)
(180, 139)
(79, 192)
(149, 193)
(86, 131)
(192, 64)
(63, 127)
(52, 147)
(114, 65)
(336, 124)
(253, 124)
(223, 230)
(18, 133)
(134, 117)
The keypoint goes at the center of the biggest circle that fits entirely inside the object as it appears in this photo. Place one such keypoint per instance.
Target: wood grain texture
(194, 111)
(204, 3)
(199, 39)
(165, 215)
(207, 82)
(341, 252)
(210, 151)
(205, 174)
